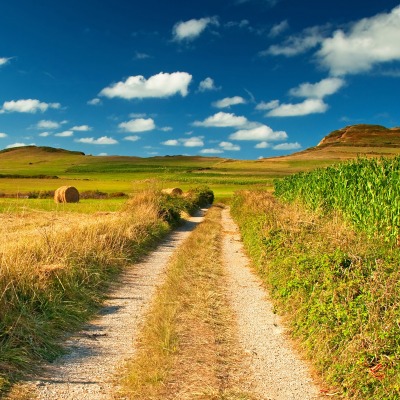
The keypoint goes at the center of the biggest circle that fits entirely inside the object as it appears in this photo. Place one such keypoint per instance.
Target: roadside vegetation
(186, 348)
(338, 289)
(365, 191)
(55, 268)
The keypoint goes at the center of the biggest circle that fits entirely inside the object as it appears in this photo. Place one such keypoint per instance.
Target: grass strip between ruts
(186, 348)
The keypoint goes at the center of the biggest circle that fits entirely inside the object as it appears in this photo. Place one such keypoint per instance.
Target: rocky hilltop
(363, 135)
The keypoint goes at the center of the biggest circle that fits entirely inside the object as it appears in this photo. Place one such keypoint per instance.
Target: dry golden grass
(54, 269)
(187, 346)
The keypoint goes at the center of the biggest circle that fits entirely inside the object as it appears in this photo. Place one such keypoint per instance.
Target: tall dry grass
(54, 270)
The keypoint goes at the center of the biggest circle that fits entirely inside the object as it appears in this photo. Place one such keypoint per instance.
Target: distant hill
(363, 135)
(38, 149)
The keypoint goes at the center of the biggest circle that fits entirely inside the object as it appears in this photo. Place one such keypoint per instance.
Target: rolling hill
(113, 173)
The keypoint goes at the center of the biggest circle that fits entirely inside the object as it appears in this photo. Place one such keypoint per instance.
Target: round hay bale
(66, 194)
(173, 191)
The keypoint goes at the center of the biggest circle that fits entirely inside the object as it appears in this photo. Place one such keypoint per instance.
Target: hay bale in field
(173, 191)
(66, 194)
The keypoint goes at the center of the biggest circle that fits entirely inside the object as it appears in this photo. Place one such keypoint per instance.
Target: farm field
(325, 244)
(27, 169)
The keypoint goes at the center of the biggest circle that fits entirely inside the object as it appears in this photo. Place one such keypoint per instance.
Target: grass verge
(53, 278)
(339, 291)
(186, 346)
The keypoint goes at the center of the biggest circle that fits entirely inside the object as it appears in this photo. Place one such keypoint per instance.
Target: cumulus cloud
(287, 146)
(191, 142)
(222, 120)
(27, 106)
(47, 124)
(260, 133)
(368, 42)
(3, 135)
(101, 140)
(262, 145)
(228, 146)
(138, 125)
(294, 45)
(65, 134)
(267, 106)
(277, 29)
(94, 102)
(211, 151)
(308, 106)
(18, 144)
(229, 101)
(4, 60)
(206, 85)
(190, 30)
(132, 138)
(161, 85)
(45, 134)
(171, 142)
(318, 90)
(166, 128)
(81, 128)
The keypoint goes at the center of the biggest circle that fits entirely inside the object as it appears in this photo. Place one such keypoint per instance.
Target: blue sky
(230, 78)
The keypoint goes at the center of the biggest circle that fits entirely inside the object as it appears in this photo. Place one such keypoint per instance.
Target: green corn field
(365, 191)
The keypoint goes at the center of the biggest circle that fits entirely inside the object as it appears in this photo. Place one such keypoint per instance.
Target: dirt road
(270, 369)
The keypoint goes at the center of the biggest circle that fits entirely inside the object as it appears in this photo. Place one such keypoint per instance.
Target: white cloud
(44, 134)
(3, 135)
(267, 106)
(262, 145)
(65, 134)
(308, 106)
(190, 30)
(193, 142)
(27, 106)
(132, 138)
(260, 133)
(287, 146)
(157, 86)
(166, 129)
(222, 120)
(229, 101)
(370, 41)
(138, 125)
(102, 154)
(207, 84)
(171, 142)
(211, 151)
(4, 60)
(277, 29)
(46, 124)
(294, 45)
(318, 90)
(10, 146)
(94, 102)
(81, 128)
(101, 140)
(228, 146)
(141, 56)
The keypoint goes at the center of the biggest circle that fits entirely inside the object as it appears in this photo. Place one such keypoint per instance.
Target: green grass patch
(339, 290)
